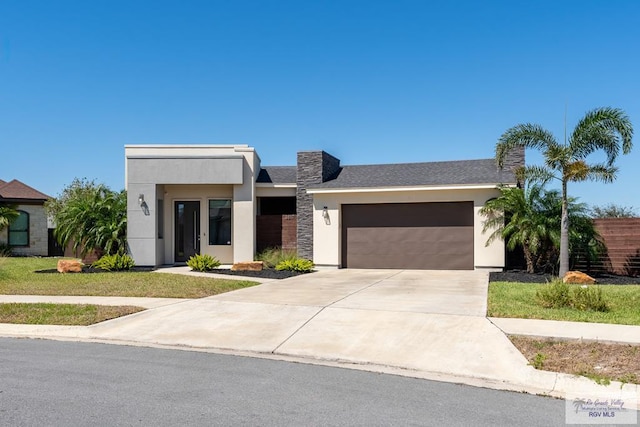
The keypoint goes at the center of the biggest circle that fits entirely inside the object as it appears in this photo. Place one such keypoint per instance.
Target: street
(66, 384)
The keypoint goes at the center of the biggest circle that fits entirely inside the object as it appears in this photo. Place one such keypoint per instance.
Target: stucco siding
(189, 173)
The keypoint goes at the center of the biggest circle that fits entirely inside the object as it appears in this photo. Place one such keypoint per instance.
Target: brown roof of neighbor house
(15, 191)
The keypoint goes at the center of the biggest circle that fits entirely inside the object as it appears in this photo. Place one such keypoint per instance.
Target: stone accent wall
(514, 159)
(38, 232)
(314, 167)
(276, 231)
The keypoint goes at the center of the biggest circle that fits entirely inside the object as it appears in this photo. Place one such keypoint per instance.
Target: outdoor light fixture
(140, 199)
(325, 215)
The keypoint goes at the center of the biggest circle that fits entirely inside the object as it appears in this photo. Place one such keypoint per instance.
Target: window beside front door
(19, 230)
(220, 222)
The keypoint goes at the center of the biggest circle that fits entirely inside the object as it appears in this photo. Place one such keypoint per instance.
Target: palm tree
(530, 219)
(520, 218)
(607, 129)
(92, 217)
(8, 214)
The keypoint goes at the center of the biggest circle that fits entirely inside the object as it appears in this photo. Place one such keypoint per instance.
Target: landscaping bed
(267, 273)
(524, 277)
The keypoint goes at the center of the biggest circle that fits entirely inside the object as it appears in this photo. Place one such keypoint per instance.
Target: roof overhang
(271, 185)
(411, 188)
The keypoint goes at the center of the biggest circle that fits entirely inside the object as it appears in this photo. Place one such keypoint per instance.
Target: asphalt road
(71, 384)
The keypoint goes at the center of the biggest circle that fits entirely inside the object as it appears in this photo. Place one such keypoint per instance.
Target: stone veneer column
(314, 167)
(514, 160)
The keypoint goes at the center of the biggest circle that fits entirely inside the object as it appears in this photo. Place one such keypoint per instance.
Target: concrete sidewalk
(426, 324)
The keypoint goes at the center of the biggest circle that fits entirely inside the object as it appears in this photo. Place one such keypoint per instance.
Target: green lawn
(508, 299)
(61, 314)
(18, 277)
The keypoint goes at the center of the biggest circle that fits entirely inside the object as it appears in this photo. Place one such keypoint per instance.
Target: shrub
(5, 250)
(588, 299)
(558, 295)
(299, 265)
(116, 262)
(538, 361)
(554, 295)
(271, 257)
(90, 216)
(204, 262)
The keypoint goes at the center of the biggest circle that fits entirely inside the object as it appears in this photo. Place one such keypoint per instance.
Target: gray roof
(460, 172)
(277, 175)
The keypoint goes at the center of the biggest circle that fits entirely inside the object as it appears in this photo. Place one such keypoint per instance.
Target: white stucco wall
(327, 236)
(213, 172)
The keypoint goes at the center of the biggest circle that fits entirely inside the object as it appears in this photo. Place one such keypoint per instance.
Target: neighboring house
(219, 200)
(28, 234)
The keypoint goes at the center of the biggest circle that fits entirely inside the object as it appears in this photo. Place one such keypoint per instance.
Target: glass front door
(187, 236)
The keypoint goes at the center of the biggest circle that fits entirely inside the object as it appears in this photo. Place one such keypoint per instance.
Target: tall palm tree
(607, 129)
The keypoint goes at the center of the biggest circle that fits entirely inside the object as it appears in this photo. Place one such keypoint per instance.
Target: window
(219, 222)
(19, 230)
(160, 218)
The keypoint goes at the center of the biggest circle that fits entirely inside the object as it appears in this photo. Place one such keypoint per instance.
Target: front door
(187, 237)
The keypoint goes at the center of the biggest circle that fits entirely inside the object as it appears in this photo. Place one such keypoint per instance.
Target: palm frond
(523, 135)
(602, 172)
(534, 173)
(608, 129)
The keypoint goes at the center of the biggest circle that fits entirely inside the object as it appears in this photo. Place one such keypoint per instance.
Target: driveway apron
(430, 321)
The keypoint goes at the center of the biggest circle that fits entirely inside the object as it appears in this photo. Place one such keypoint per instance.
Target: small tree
(91, 217)
(531, 219)
(613, 211)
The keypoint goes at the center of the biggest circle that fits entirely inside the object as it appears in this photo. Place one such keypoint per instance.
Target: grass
(61, 314)
(509, 299)
(18, 277)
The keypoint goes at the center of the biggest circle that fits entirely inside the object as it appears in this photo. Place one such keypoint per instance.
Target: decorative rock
(247, 266)
(69, 266)
(578, 278)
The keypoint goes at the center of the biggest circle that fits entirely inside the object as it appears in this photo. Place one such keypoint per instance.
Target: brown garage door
(433, 236)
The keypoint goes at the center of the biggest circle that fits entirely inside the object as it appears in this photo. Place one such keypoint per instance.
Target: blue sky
(367, 81)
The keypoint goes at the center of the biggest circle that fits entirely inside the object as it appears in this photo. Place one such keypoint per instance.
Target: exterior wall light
(140, 199)
(325, 215)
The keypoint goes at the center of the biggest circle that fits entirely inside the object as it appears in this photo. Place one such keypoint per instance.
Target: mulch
(524, 277)
(267, 273)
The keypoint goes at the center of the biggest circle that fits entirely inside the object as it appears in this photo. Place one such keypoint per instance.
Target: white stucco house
(220, 200)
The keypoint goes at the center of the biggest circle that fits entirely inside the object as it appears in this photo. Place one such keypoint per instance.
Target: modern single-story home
(29, 233)
(219, 200)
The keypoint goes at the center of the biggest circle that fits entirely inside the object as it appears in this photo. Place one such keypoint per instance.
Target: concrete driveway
(427, 324)
(429, 321)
